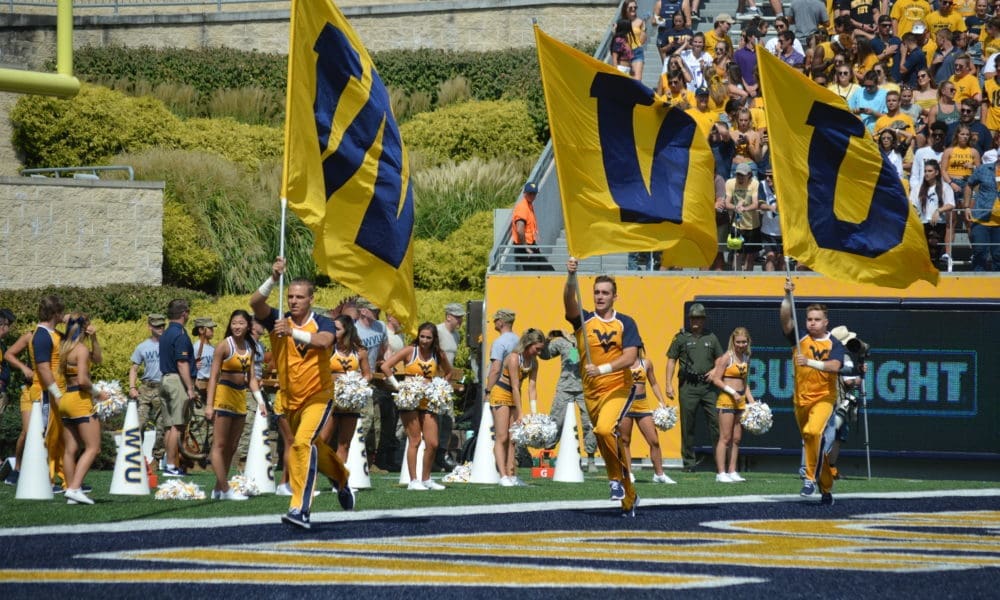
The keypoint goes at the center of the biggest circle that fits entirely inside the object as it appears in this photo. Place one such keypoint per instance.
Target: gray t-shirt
(449, 341)
(206, 352)
(147, 354)
(372, 338)
(807, 15)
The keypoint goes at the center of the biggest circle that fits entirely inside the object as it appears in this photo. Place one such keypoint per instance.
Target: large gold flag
(635, 175)
(346, 172)
(842, 206)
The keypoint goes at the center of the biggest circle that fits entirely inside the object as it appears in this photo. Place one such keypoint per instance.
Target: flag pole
(281, 253)
(579, 303)
(791, 299)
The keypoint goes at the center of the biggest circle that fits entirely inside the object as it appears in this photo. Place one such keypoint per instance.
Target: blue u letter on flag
(664, 201)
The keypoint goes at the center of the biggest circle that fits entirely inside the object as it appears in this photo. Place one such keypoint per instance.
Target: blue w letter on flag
(346, 170)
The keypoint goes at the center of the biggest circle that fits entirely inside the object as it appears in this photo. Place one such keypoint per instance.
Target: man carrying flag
(844, 212)
(301, 341)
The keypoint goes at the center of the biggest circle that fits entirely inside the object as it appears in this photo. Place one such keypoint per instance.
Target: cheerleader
(730, 376)
(640, 412)
(226, 400)
(505, 400)
(81, 427)
(348, 355)
(424, 358)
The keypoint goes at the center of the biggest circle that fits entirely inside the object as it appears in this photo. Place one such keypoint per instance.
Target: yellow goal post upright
(62, 83)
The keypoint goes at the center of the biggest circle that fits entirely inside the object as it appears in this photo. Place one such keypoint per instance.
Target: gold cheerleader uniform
(76, 405)
(231, 398)
(502, 394)
(735, 370)
(418, 367)
(642, 404)
(340, 364)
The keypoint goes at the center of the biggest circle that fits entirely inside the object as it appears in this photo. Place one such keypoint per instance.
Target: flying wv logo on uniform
(606, 339)
(820, 353)
(385, 230)
(345, 363)
(428, 369)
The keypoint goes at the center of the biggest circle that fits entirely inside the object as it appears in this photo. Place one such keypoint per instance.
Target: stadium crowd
(905, 68)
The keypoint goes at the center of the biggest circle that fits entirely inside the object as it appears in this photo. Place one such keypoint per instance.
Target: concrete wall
(79, 232)
(29, 39)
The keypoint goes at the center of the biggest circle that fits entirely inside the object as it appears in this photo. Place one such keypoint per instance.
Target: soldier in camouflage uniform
(569, 390)
(146, 392)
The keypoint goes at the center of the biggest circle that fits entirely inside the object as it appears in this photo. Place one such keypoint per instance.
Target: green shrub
(446, 195)
(207, 69)
(419, 102)
(459, 261)
(99, 123)
(111, 303)
(88, 129)
(238, 142)
(481, 129)
(187, 259)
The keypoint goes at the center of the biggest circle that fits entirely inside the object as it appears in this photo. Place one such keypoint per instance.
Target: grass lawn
(386, 494)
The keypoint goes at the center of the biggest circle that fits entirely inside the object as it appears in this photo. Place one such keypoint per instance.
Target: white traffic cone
(404, 471)
(130, 478)
(484, 464)
(33, 483)
(357, 462)
(148, 443)
(258, 467)
(568, 459)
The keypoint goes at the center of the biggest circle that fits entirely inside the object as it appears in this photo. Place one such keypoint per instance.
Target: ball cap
(204, 322)
(7, 315)
(697, 310)
(504, 315)
(702, 91)
(724, 18)
(919, 27)
(531, 188)
(156, 319)
(744, 169)
(843, 334)
(363, 303)
(454, 309)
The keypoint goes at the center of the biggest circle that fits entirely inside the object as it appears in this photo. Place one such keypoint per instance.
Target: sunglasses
(966, 111)
(843, 72)
(922, 76)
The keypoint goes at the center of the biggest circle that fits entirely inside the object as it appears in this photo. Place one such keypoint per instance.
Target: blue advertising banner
(931, 383)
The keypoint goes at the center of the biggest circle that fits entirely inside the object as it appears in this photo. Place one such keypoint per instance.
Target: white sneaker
(433, 485)
(416, 486)
(507, 482)
(723, 478)
(735, 477)
(77, 497)
(518, 482)
(217, 495)
(286, 490)
(631, 476)
(662, 479)
(233, 494)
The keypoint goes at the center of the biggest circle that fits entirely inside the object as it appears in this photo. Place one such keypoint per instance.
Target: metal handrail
(115, 5)
(58, 171)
